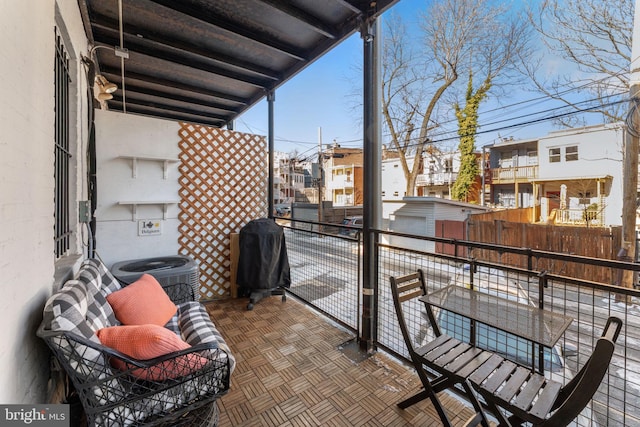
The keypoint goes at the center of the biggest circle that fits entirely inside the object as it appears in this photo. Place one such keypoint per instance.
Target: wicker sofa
(116, 389)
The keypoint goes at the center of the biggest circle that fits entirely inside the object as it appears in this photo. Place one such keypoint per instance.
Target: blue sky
(321, 96)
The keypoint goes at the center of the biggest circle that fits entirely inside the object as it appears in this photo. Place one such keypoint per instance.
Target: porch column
(271, 97)
(371, 186)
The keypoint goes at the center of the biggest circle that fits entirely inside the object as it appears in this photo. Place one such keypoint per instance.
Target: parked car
(351, 225)
(282, 210)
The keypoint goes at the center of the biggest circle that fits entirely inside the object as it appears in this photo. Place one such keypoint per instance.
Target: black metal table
(531, 323)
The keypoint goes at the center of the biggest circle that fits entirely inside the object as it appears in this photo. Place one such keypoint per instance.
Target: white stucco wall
(393, 180)
(27, 49)
(119, 134)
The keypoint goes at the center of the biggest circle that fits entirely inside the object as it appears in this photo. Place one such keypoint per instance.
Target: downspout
(371, 185)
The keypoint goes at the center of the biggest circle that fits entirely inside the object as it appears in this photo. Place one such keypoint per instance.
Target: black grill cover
(263, 261)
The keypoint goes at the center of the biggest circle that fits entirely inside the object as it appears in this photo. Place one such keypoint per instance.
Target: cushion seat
(177, 383)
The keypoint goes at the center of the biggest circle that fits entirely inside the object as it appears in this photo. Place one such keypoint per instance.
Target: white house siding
(599, 155)
(394, 183)
(118, 135)
(27, 51)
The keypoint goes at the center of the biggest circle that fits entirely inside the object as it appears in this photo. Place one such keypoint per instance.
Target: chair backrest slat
(405, 288)
(416, 293)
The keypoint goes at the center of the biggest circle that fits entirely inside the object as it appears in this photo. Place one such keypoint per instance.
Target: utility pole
(630, 164)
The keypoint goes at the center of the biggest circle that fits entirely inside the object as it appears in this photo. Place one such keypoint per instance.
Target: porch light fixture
(106, 88)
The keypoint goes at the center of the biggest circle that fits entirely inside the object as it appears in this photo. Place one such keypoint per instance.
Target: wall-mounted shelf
(134, 206)
(134, 163)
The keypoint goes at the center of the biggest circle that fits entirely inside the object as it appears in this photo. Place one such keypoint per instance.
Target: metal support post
(271, 97)
(371, 186)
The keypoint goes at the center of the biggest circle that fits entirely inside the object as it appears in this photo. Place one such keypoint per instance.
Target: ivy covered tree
(467, 126)
(420, 73)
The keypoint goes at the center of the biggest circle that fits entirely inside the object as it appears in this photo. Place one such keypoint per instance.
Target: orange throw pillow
(144, 342)
(142, 302)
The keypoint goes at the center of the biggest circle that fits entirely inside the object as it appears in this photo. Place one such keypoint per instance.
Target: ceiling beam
(117, 106)
(350, 6)
(133, 101)
(203, 15)
(302, 16)
(135, 35)
(133, 89)
(115, 76)
(178, 59)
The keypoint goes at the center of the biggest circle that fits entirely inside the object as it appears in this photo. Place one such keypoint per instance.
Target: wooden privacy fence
(596, 242)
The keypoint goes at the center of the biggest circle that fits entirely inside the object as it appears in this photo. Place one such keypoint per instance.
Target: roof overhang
(208, 61)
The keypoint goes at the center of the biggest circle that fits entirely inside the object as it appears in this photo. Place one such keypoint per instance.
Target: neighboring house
(580, 175)
(568, 177)
(439, 173)
(289, 178)
(342, 168)
(394, 182)
(513, 165)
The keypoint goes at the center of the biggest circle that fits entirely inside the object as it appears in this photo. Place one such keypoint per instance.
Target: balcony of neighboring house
(433, 179)
(340, 181)
(515, 174)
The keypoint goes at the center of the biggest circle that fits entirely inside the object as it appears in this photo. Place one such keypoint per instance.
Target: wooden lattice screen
(223, 186)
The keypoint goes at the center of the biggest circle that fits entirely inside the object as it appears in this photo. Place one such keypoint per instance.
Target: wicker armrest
(159, 389)
(180, 292)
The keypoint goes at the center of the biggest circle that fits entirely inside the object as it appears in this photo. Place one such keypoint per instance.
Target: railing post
(542, 283)
(472, 323)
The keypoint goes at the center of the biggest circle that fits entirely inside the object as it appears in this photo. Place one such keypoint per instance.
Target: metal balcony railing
(326, 273)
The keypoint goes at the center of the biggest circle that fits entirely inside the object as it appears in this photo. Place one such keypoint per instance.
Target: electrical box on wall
(149, 227)
(84, 211)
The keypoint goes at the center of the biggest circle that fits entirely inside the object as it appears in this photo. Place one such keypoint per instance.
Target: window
(554, 155)
(448, 165)
(62, 154)
(571, 153)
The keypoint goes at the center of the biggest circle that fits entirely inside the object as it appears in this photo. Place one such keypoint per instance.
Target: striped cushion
(66, 310)
(109, 282)
(99, 312)
(197, 328)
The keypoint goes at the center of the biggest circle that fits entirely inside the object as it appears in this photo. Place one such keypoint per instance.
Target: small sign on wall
(149, 227)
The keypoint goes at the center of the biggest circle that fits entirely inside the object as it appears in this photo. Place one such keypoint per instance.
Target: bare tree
(594, 36)
(458, 35)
